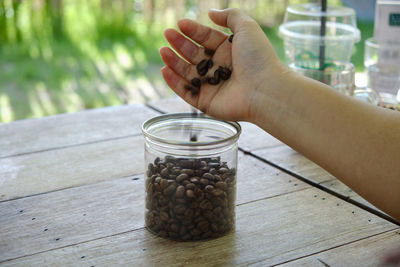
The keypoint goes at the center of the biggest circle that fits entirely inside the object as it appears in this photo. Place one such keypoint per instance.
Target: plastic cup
(301, 33)
(338, 75)
(382, 62)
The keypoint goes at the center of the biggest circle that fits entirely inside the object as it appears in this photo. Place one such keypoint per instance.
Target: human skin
(356, 142)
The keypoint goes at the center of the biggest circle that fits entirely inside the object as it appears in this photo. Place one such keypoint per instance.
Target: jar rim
(164, 117)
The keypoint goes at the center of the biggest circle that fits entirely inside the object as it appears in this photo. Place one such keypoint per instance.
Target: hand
(251, 57)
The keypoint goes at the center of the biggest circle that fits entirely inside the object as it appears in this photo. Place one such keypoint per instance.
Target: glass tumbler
(190, 184)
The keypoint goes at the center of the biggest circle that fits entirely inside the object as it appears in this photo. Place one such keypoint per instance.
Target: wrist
(270, 95)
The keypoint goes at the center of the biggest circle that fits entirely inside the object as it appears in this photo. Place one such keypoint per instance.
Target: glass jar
(190, 184)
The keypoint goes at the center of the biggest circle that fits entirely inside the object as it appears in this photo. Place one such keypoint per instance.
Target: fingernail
(216, 10)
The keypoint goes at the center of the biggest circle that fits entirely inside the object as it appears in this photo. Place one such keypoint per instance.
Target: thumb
(231, 18)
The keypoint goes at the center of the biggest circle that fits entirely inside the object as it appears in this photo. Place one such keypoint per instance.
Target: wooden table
(72, 193)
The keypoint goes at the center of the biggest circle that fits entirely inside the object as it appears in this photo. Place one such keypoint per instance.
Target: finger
(232, 18)
(203, 35)
(178, 65)
(186, 48)
(177, 83)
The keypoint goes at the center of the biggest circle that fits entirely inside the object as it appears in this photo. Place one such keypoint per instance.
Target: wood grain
(344, 190)
(73, 166)
(64, 130)
(93, 211)
(366, 252)
(252, 136)
(289, 159)
(269, 231)
(293, 161)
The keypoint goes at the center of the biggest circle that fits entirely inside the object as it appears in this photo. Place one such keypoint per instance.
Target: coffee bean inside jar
(190, 198)
(190, 184)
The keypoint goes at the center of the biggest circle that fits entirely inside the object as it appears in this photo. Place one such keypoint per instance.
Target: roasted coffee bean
(181, 177)
(209, 52)
(204, 181)
(163, 184)
(170, 189)
(186, 163)
(190, 193)
(203, 226)
(189, 172)
(202, 67)
(202, 64)
(225, 73)
(230, 38)
(208, 176)
(180, 191)
(218, 192)
(190, 186)
(164, 172)
(195, 232)
(212, 81)
(158, 179)
(193, 90)
(196, 82)
(210, 63)
(209, 188)
(221, 185)
(217, 74)
(189, 213)
(202, 72)
(187, 199)
(194, 180)
(179, 209)
(164, 216)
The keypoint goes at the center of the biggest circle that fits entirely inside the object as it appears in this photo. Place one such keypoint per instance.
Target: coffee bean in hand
(212, 80)
(230, 38)
(196, 82)
(202, 67)
(209, 52)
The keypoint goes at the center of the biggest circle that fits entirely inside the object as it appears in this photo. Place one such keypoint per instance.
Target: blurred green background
(59, 56)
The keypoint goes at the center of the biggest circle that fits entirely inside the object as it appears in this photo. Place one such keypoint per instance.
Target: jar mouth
(177, 128)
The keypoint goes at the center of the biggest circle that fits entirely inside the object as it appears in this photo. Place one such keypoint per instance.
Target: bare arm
(358, 143)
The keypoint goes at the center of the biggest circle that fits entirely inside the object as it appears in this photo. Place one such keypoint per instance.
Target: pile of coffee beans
(203, 67)
(190, 198)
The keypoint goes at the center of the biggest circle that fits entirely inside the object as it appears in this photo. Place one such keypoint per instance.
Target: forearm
(356, 142)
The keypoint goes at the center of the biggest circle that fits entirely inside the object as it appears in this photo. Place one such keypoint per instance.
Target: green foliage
(60, 56)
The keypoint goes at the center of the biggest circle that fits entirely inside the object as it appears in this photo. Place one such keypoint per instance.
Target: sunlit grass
(101, 55)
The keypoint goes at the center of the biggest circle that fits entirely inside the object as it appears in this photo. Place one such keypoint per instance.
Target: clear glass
(338, 75)
(190, 184)
(301, 32)
(382, 62)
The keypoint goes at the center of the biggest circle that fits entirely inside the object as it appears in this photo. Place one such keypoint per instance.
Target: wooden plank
(344, 190)
(366, 252)
(289, 159)
(252, 136)
(269, 231)
(63, 130)
(73, 166)
(93, 211)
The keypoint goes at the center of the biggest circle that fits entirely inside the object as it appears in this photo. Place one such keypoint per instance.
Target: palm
(228, 99)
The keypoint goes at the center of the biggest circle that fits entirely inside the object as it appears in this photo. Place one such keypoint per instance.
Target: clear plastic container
(382, 62)
(338, 75)
(190, 184)
(301, 32)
